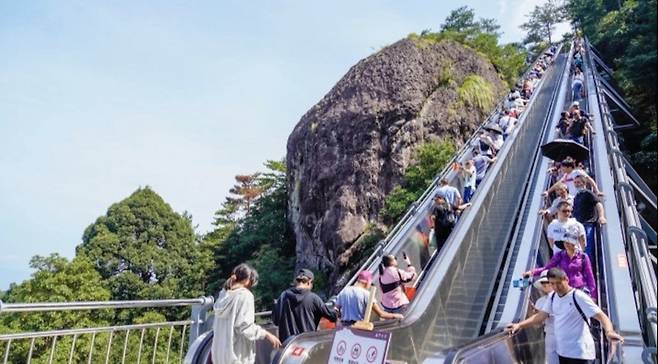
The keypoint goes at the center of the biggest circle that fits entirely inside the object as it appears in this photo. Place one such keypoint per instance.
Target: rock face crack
(350, 149)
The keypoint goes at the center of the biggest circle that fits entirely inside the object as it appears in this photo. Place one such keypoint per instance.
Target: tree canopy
(145, 250)
(624, 32)
(260, 236)
(430, 159)
(483, 36)
(541, 23)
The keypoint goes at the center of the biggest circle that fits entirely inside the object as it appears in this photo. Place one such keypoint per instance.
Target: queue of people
(573, 212)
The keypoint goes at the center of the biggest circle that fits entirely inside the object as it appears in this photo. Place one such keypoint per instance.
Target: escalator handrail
(640, 267)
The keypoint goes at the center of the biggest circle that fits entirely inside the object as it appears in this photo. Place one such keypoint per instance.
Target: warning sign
(351, 346)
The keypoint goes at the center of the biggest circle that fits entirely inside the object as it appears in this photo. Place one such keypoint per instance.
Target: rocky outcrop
(350, 149)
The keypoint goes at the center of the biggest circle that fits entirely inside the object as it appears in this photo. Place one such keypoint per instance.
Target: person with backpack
(573, 261)
(235, 331)
(572, 310)
(444, 218)
(298, 309)
(392, 280)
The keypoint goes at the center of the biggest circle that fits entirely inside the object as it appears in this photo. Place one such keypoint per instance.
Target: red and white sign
(297, 351)
(359, 347)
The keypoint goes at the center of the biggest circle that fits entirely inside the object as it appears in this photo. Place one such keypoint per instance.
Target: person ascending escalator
(392, 280)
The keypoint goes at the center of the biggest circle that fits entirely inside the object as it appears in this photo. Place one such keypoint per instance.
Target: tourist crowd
(572, 213)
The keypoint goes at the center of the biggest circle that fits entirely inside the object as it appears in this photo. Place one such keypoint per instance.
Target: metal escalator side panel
(199, 350)
(498, 347)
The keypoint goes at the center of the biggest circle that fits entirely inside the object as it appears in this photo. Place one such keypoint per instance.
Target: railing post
(199, 316)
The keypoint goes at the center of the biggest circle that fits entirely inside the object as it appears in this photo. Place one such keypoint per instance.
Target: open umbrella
(494, 129)
(560, 149)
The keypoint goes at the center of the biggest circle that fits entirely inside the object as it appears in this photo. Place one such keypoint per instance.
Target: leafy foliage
(476, 91)
(430, 158)
(541, 22)
(145, 250)
(261, 237)
(55, 280)
(462, 20)
(624, 33)
(481, 35)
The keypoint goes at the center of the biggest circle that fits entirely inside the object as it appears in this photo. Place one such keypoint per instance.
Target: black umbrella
(494, 129)
(560, 149)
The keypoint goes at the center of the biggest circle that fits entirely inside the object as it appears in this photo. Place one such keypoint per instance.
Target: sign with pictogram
(352, 346)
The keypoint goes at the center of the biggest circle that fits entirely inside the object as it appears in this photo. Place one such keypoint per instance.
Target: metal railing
(103, 344)
(639, 257)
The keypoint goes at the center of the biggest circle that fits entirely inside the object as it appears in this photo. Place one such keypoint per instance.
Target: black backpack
(448, 218)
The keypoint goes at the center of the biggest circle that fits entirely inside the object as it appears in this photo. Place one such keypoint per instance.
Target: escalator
(626, 295)
(455, 292)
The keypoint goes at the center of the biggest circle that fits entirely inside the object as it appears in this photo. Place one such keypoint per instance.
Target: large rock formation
(350, 149)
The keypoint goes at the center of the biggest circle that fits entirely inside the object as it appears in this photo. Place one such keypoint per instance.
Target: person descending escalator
(573, 261)
(235, 331)
(563, 125)
(557, 229)
(298, 309)
(568, 173)
(572, 311)
(392, 280)
(562, 195)
(588, 210)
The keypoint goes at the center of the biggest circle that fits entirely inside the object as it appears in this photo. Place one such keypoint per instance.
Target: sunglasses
(545, 283)
(566, 211)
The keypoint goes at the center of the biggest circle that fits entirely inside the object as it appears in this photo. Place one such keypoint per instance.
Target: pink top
(396, 298)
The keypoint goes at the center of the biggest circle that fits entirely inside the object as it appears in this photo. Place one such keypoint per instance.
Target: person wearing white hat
(543, 285)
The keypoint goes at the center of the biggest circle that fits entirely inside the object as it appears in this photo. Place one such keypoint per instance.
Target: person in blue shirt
(353, 300)
(449, 193)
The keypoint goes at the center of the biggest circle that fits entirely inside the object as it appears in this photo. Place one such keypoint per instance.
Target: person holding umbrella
(569, 173)
(561, 149)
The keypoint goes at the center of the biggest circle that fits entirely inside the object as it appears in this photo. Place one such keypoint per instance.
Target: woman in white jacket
(235, 332)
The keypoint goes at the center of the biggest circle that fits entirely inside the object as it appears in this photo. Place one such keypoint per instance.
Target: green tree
(55, 280)
(145, 250)
(462, 20)
(430, 159)
(481, 35)
(541, 22)
(624, 33)
(261, 237)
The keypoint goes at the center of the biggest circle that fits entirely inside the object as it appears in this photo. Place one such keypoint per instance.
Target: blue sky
(98, 98)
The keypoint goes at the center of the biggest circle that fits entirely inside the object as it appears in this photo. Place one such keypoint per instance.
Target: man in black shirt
(588, 210)
(298, 309)
(444, 217)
